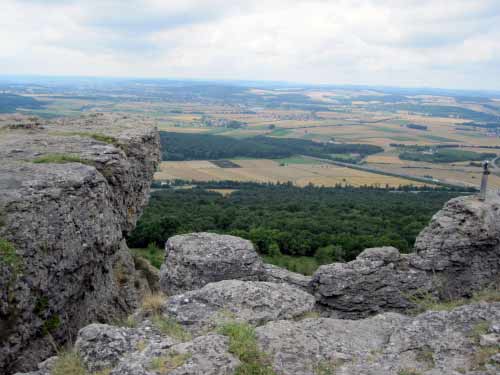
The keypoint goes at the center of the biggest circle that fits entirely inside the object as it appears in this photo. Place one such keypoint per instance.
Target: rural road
(385, 173)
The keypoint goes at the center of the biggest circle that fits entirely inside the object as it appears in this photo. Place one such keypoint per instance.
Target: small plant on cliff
(243, 344)
(152, 303)
(69, 363)
(97, 136)
(61, 159)
(8, 255)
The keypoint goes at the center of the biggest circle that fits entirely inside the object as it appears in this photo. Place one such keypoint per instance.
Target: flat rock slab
(249, 301)
(196, 259)
(432, 343)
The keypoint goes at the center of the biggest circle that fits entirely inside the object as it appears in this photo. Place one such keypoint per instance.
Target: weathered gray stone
(461, 246)
(378, 280)
(388, 344)
(196, 259)
(276, 274)
(67, 222)
(457, 254)
(249, 301)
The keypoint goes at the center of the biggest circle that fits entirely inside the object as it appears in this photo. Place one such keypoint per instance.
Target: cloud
(392, 42)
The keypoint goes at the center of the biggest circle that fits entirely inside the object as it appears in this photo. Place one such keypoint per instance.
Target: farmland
(328, 115)
(299, 171)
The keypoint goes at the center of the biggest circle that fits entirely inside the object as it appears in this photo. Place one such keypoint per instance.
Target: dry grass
(152, 303)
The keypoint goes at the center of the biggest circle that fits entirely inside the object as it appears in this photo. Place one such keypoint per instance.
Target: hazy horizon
(389, 43)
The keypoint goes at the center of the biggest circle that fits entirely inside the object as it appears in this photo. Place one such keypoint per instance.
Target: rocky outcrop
(461, 246)
(457, 254)
(69, 190)
(249, 301)
(196, 259)
(460, 341)
(380, 279)
(388, 344)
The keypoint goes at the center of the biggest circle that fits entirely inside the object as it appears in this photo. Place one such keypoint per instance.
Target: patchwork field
(296, 171)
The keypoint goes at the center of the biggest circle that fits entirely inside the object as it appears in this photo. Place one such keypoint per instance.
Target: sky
(406, 43)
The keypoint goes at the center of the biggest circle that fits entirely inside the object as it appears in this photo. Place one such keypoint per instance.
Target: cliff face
(69, 191)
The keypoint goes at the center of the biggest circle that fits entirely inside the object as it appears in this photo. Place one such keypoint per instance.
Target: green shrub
(243, 344)
(153, 254)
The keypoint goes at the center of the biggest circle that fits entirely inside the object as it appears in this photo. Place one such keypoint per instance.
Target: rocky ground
(231, 314)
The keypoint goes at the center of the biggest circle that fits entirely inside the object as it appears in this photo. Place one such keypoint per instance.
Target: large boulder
(249, 301)
(457, 254)
(380, 279)
(69, 191)
(196, 259)
(461, 246)
(433, 343)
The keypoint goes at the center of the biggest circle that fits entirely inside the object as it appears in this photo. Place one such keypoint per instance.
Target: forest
(447, 156)
(296, 228)
(180, 146)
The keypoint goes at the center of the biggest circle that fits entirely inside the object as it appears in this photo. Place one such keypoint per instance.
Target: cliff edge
(70, 189)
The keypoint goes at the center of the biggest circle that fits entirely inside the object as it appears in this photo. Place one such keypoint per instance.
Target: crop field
(296, 171)
(341, 115)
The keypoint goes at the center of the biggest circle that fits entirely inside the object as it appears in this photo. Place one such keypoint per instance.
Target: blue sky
(438, 43)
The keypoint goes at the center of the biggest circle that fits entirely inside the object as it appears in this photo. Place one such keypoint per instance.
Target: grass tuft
(243, 344)
(96, 136)
(61, 159)
(68, 363)
(152, 303)
(171, 328)
(9, 256)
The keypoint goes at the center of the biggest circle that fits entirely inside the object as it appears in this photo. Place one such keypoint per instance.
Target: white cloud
(453, 43)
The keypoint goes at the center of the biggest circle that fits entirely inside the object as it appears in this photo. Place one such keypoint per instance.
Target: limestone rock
(249, 301)
(457, 254)
(388, 344)
(280, 275)
(196, 259)
(461, 246)
(378, 280)
(69, 190)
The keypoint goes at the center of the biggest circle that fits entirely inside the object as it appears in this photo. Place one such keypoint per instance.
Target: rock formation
(194, 260)
(457, 254)
(250, 301)
(69, 191)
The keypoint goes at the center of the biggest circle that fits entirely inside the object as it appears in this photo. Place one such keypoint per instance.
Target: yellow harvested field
(272, 171)
(384, 159)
